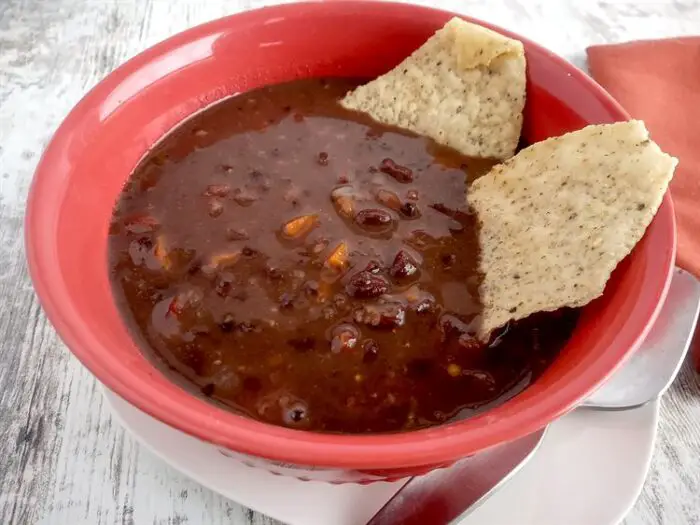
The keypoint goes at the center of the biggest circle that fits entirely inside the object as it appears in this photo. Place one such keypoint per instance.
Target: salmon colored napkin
(658, 81)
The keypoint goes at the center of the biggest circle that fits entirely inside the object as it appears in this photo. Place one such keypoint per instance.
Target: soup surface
(308, 267)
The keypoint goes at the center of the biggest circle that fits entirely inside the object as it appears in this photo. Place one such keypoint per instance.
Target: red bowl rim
(423, 447)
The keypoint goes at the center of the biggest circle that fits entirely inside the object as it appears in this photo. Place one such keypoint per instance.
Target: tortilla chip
(556, 219)
(464, 88)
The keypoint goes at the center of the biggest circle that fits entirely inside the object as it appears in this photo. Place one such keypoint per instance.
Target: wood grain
(62, 459)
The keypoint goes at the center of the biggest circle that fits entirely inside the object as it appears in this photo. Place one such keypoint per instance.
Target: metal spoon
(447, 496)
(650, 371)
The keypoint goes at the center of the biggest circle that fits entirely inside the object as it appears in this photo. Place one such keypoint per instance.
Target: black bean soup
(307, 267)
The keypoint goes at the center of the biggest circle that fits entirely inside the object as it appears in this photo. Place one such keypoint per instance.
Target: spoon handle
(647, 374)
(446, 495)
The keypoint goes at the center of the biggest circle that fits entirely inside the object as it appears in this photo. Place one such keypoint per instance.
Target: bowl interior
(102, 140)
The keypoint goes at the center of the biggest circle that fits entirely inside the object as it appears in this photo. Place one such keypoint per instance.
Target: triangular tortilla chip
(556, 219)
(464, 88)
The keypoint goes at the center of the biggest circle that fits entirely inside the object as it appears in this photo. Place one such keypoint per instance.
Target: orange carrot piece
(160, 252)
(300, 226)
(222, 260)
(339, 258)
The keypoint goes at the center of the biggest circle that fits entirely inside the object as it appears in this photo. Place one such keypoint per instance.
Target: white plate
(589, 470)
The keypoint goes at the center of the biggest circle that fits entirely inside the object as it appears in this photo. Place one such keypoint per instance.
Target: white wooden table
(63, 460)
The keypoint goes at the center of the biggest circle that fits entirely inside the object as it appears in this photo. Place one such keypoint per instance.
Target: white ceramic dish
(589, 470)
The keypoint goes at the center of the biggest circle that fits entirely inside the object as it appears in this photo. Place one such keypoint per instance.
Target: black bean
(400, 173)
(374, 220)
(410, 210)
(237, 234)
(404, 266)
(244, 197)
(366, 285)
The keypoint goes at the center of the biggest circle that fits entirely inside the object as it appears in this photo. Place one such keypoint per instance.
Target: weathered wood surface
(62, 458)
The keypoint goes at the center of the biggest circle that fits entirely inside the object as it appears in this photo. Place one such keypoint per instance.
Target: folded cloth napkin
(658, 81)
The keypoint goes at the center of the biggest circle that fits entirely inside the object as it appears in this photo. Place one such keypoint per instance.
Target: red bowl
(95, 149)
